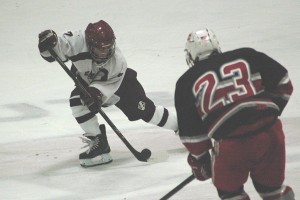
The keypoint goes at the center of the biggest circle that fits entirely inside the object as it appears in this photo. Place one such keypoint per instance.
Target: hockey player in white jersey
(100, 66)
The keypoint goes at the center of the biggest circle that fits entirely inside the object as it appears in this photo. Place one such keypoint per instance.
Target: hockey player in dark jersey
(228, 106)
(100, 66)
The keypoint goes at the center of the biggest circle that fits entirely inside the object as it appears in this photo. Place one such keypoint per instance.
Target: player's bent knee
(142, 109)
(78, 111)
(284, 193)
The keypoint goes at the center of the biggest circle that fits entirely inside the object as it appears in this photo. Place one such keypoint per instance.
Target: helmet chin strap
(101, 62)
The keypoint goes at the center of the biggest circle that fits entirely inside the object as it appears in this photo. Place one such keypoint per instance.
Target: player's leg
(230, 169)
(136, 105)
(162, 118)
(275, 193)
(268, 175)
(95, 135)
(239, 194)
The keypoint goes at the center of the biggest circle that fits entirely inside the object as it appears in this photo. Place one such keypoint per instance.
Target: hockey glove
(201, 167)
(47, 40)
(93, 102)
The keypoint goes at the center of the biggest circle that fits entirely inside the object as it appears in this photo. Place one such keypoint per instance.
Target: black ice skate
(98, 151)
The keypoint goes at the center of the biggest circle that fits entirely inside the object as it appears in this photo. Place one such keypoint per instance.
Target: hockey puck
(146, 153)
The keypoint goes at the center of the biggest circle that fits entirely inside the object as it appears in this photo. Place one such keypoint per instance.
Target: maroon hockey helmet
(100, 39)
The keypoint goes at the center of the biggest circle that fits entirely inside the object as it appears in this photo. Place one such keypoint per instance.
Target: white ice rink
(39, 140)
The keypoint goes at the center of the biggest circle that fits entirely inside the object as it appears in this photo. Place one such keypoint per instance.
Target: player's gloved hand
(93, 102)
(201, 167)
(47, 40)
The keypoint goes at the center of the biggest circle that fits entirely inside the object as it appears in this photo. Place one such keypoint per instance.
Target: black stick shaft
(178, 187)
(137, 154)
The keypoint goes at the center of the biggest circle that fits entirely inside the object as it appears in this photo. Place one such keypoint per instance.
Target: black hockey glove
(47, 40)
(201, 167)
(93, 102)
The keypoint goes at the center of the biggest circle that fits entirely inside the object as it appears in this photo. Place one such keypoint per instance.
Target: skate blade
(99, 160)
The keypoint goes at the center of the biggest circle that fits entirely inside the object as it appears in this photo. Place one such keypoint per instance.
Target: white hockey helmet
(200, 45)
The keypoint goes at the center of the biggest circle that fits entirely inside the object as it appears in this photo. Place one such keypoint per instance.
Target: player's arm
(199, 157)
(65, 46)
(278, 85)
(191, 132)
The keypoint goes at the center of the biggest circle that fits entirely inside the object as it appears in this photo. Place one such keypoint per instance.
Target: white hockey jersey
(106, 77)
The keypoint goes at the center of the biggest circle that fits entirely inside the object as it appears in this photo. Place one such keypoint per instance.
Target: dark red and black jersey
(231, 94)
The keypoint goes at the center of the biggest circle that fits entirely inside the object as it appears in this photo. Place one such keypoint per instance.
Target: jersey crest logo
(141, 105)
(101, 75)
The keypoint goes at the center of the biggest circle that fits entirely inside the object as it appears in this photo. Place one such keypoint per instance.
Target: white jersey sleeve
(107, 76)
(68, 45)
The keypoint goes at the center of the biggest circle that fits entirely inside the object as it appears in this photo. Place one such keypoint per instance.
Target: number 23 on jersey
(214, 93)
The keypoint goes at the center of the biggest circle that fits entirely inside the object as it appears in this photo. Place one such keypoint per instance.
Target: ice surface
(39, 143)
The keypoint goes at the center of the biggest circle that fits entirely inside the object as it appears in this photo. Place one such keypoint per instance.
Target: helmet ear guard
(189, 59)
(200, 45)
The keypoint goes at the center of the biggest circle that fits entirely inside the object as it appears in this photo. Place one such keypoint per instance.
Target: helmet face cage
(200, 45)
(101, 54)
(100, 39)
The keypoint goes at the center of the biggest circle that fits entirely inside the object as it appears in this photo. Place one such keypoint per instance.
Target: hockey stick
(178, 187)
(145, 154)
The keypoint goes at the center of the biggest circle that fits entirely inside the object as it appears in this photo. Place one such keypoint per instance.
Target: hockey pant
(133, 103)
(261, 155)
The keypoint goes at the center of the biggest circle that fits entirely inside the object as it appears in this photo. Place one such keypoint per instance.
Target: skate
(98, 149)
